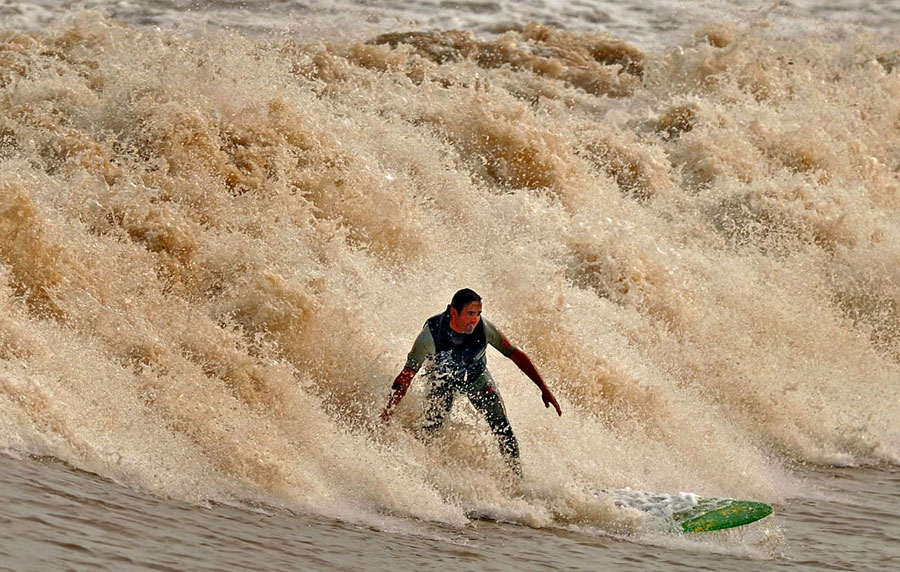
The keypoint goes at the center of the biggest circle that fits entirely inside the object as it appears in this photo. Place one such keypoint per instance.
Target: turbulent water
(222, 226)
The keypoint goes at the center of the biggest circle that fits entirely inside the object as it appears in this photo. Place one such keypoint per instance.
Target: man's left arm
(523, 362)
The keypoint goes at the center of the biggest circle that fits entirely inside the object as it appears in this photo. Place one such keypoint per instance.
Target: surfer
(455, 342)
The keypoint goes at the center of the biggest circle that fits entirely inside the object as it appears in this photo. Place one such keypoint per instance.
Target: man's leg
(440, 401)
(486, 400)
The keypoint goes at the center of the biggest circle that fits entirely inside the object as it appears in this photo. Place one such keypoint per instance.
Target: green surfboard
(687, 512)
(719, 514)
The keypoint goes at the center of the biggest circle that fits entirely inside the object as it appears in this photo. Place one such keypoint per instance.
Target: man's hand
(550, 400)
(401, 384)
(523, 362)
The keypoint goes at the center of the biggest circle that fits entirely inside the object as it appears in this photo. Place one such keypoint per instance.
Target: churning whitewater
(216, 250)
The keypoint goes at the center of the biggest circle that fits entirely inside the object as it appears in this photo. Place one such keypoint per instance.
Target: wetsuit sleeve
(422, 349)
(496, 338)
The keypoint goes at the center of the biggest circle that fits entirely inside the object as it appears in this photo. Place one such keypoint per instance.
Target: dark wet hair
(463, 297)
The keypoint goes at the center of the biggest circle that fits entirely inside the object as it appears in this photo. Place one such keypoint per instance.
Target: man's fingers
(555, 405)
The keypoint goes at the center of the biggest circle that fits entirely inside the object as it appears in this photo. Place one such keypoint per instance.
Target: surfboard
(719, 514)
(687, 512)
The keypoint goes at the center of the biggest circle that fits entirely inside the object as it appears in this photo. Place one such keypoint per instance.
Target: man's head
(465, 311)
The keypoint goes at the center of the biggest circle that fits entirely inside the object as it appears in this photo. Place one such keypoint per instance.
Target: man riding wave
(455, 342)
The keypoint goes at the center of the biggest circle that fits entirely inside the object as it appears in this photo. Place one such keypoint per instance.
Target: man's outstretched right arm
(422, 348)
(398, 390)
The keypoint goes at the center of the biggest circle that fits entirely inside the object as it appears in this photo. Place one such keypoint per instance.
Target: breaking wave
(216, 250)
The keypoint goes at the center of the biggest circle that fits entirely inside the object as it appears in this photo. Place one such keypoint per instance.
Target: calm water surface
(60, 518)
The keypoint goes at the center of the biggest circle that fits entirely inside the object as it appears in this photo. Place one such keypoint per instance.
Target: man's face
(464, 322)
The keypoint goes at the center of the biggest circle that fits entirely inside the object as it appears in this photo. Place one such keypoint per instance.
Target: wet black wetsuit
(459, 366)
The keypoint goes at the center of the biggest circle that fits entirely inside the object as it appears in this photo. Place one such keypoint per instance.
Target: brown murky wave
(216, 250)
